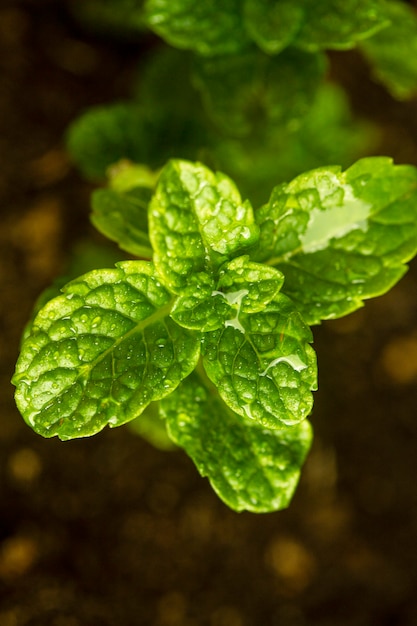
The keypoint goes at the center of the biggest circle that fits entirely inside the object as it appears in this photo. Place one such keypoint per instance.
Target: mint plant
(212, 333)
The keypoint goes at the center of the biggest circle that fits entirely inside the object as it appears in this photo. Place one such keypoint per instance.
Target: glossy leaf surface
(197, 220)
(250, 468)
(262, 363)
(101, 352)
(341, 237)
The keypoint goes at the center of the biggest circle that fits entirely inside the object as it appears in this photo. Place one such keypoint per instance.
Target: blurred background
(108, 530)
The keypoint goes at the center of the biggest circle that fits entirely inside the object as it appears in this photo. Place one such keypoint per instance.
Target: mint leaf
(262, 363)
(261, 284)
(340, 24)
(393, 51)
(244, 93)
(341, 237)
(197, 309)
(249, 467)
(101, 352)
(197, 220)
(209, 28)
(123, 217)
(272, 25)
(242, 285)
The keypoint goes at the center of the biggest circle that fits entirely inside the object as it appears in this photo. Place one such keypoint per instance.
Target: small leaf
(242, 286)
(262, 364)
(209, 28)
(243, 93)
(261, 284)
(340, 24)
(273, 25)
(101, 352)
(197, 221)
(341, 237)
(123, 217)
(392, 52)
(249, 467)
(197, 308)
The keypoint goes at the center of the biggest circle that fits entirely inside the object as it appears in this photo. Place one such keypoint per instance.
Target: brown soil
(108, 531)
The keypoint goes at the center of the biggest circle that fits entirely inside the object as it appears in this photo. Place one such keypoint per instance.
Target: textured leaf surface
(262, 363)
(242, 286)
(244, 92)
(197, 220)
(271, 24)
(123, 217)
(197, 309)
(101, 352)
(339, 24)
(208, 28)
(250, 468)
(341, 237)
(393, 51)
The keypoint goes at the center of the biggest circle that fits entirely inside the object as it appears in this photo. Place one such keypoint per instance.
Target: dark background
(109, 531)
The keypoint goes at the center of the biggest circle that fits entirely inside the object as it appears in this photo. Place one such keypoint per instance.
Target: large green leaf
(250, 468)
(340, 237)
(208, 28)
(262, 363)
(197, 220)
(101, 352)
(393, 51)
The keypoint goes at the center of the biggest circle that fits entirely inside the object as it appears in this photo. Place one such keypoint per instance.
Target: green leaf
(249, 467)
(341, 237)
(262, 363)
(123, 217)
(340, 24)
(101, 352)
(244, 93)
(242, 286)
(209, 28)
(393, 51)
(197, 221)
(260, 283)
(271, 24)
(197, 309)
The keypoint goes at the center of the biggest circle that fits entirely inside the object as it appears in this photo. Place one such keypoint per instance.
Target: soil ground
(108, 531)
